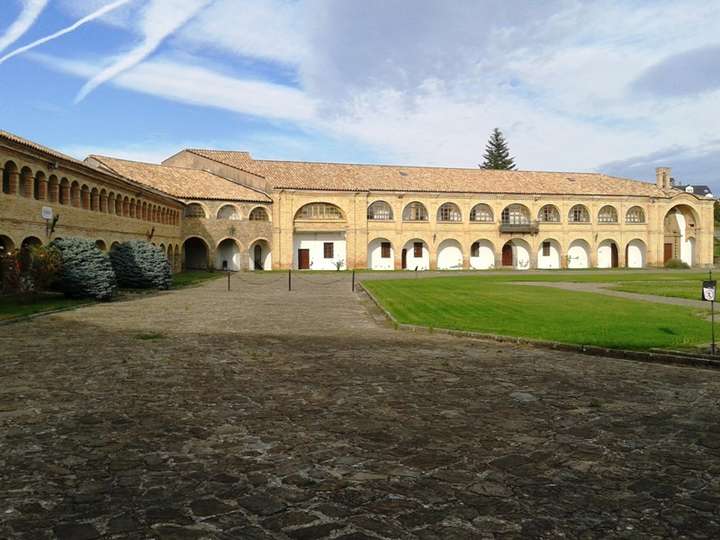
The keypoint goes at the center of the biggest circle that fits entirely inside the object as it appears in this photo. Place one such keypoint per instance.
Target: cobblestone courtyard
(260, 413)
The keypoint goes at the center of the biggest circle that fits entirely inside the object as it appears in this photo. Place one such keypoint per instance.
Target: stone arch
(516, 254)
(415, 254)
(449, 255)
(635, 215)
(482, 255)
(449, 212)
(65, 191)
(578, 254)
(195, 253)
(10, 178)
(26, 182)
(53, 194)
(114, 245)
(75, 194)
(132, 207)
(608, 214)
(192, 210)
(144, 211)
(112, 203)
(40, 186)
(515, 214)
(228, 211)
(482, 213)
(103, 201)
(415, 211)
(549, 213)
(227, 255)
(85, 197)
(379, 211)
(381, 255)
(679, 226)
(31, 241)
(607, 254)
(259, 213)
(635, 253)
(125, 210)
(95, 199)
(6, 244)
(321, 211)
(579, 213)
(259, 255)
(549, 255)
(101, 245)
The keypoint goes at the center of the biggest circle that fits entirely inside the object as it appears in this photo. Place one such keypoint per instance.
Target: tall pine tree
(497, 153)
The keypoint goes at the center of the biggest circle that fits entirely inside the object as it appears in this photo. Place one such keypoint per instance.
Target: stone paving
(262, 413)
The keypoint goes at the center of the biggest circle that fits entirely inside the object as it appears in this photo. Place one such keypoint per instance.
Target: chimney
(662, 177)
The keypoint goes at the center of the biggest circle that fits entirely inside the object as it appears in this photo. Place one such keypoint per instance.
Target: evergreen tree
(497, 153)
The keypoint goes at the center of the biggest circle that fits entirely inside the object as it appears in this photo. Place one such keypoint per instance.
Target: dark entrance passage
(404, 259)
(257, 257)
(195, 253)
(614, 255)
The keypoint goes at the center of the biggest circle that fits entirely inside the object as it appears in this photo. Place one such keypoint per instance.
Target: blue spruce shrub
(86, 271)
(140, 265)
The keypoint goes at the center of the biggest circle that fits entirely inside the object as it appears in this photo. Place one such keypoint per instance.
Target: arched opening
(260, 256)
(26, 182)
(192, 210)
(195, 253)
(635, 215)
(578, 255)
(125, 206)
(548, 256)
(114, 245)
(31, 241)
(94, 199)
(40, 187)
(75, 194)
(449, 213)
(103, 201)
(515, 214)
(85, 197)
(228, 211)
(381, 255)
(259, 214)
(607, 254)
(319, 212)
(101, 245)
(481, 213)
(549, 214)
(379, 211)
(53, 189)
(64, 191)
(635, 253)
(10, 178)
(482, 255)
(6, 244)
(415, 211)
(607, 214)
(227, 255)
(516, 254)
(579, 214)
(679, 234)
(415, 255)
(450, 255)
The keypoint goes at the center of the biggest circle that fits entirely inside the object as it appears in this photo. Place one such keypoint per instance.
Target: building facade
(229, 211)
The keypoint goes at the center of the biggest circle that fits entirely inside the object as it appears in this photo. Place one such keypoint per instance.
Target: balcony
(531, 227)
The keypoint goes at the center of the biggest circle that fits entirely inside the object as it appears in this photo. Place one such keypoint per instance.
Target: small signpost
(708, 295)
(47, 215)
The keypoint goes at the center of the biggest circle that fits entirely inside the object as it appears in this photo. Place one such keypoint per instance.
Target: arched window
(635, 215)
(379, 211)
(415, 211)
(549, 214)
(579, 214)
(192, 210)
(319, 211)
(259, 214)
(75, 194)
(449, 212)
(515, 214)
(607, 214)
(228, 211)
(482, 213)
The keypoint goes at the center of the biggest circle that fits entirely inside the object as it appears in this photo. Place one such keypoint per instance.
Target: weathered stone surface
(264, 414)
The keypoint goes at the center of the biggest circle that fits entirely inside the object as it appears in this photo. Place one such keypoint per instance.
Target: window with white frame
(549, 214)
(449, 212)
(379, 211)
(579, 214)
(415, 211)
(607, 214)
(635, 215)
(481, 213)
(515, 214)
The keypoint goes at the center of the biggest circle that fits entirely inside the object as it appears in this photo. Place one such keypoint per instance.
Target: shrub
(86, 271)
(676, 263)
(140, 265)
(29, 270)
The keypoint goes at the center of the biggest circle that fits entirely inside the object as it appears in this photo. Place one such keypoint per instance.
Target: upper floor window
(194, 210)
(259, 214)
(607, 214)
(415, 211)
(449, 212)
(515, 214)
(482, 213)
(579, 214)
(321, 211)
(635, 215)
(549, 214)
(379, 211)
(228, 211)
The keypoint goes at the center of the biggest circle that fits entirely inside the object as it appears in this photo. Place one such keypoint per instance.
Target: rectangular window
(328, 250)
(385, 250)
(417, 249)
(546, 249)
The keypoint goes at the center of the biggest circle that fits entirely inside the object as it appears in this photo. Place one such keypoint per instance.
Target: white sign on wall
(47, 212)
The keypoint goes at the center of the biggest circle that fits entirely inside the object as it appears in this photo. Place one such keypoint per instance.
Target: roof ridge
(225, 162)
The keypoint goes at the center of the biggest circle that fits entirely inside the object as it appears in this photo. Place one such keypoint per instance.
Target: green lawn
(14, 306)
(678, 289)
(193, 277)
(491, 306)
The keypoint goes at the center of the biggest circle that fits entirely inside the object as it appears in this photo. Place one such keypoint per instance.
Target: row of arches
(516, 253)
(227, 255)
(226, 211)
(63, 191)
(514, 214)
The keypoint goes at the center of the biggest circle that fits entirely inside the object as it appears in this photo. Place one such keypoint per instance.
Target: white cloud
(160, 19)
(31, 10)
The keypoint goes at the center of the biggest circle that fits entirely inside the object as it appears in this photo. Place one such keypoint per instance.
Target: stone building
(234, 212)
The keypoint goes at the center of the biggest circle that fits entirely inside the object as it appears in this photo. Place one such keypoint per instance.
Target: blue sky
(620, 87)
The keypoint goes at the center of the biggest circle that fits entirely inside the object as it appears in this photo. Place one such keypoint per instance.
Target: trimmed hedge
(676, 263)
(86, 271)
(140, 265)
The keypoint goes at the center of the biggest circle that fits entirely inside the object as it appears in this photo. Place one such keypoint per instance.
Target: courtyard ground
(263, 413)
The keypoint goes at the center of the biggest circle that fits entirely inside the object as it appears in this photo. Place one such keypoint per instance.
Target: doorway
(304, 259)
(507, 255)
(614, 255)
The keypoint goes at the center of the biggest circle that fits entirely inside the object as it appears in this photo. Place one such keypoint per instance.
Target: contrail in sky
(31, 11)
(94, 15)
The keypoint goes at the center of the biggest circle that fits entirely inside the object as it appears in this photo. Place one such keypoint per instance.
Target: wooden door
(613, 255)
(404, 259)
(507, 255)
(668, 252)
(304, 259)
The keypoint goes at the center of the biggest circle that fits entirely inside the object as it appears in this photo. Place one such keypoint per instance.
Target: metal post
(228, 281)
(353, 281)
(712, 320)
(289, 280)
